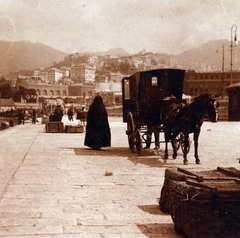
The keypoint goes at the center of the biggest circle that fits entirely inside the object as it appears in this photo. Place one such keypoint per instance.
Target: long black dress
(97, 129)
(58, 114)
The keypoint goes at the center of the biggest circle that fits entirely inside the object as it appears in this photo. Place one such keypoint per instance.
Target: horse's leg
(185, 147)
(166, 135)
(195, 137)
(173, 137)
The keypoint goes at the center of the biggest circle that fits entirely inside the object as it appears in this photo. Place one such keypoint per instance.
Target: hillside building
(41, 74)
(54, 75)
(66, 72)
(93, 59)
(116, 77)
(83, 74)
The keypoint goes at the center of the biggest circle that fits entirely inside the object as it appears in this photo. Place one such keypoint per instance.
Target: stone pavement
(54, 186)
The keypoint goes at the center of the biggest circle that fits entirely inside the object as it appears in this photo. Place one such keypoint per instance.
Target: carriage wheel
(138, 142)
(130, 131)
(182, 143)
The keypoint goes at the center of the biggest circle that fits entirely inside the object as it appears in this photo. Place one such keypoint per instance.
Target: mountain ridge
(24, 55)
(211, 56)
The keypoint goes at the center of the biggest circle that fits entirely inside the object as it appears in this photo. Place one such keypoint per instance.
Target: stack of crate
(74, 129)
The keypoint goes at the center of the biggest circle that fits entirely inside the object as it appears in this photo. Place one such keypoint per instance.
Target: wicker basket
(203, 205)
(165, 200)
(199, 212)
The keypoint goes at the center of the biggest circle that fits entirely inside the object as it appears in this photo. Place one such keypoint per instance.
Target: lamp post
(235, 39)
(223, 72)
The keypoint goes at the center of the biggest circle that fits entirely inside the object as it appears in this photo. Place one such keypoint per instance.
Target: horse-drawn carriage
(146, 96)
(153, 103)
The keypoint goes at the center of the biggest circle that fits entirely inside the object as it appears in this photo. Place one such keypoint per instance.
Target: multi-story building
(208, 82)
(83, 73)
(116, 77)
(93, 59)
(66, 72)
(54, 75)
(41, 74)
(136, 62)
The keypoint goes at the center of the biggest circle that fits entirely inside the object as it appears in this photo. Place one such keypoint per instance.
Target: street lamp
(223, 72)
(235, 39)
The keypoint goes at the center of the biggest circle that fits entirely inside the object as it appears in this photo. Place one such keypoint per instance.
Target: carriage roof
(233, 86)
(156, 84)
(167, 72)
(145, 92)
(152, 71)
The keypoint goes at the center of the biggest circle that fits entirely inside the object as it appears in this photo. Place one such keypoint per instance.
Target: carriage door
(128, 97)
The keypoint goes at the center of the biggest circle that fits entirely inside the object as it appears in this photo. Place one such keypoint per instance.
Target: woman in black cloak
(97, 129)
(58, 113)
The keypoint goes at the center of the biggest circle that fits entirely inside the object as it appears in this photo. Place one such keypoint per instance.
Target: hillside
(209, 56)
(24, 55)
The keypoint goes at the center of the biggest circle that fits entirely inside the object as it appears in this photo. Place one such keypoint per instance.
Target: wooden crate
(54, 127)
(4, 125)
(79, 129)
(45, 120)
(203, 203)
(74, 129)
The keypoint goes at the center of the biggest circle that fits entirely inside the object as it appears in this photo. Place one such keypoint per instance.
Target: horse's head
(206, 103)
(210, 104)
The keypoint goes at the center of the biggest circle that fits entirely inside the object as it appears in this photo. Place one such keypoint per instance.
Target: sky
(163, 26)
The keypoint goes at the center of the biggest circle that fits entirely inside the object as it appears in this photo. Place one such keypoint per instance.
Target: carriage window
(126, 89)
(154, 81)
(234, 102)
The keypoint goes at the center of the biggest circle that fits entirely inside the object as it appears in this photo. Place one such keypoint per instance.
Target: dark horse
(186, 119)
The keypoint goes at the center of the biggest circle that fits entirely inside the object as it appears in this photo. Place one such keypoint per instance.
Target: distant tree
(85, 58)
(124, 67)
(30, 95)
(6, 90)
